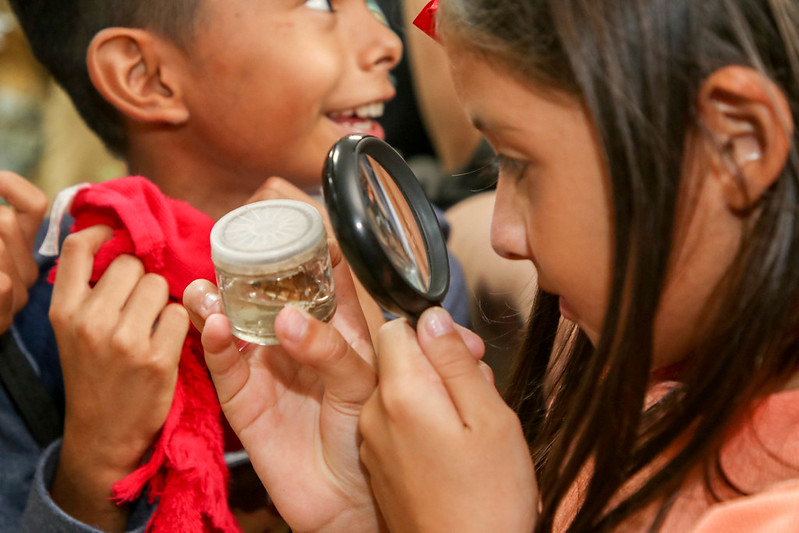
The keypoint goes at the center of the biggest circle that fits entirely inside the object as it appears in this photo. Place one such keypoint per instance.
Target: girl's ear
(135, 72)
(751, 127)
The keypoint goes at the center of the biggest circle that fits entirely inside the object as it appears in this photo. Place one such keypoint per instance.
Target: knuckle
(155, 283)
(73, 244)
(28, 271)
(130, 264)
(6, 285)
(178, 313)
(39, 202)
(20, 300)
(123, 342)
(56, 314)
(88, 332)
(7, 216)
(398, 402)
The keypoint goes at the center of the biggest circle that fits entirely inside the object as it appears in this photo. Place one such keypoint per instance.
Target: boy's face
(272, 84)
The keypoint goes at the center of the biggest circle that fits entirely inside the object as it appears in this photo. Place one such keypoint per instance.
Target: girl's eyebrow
(485, 126)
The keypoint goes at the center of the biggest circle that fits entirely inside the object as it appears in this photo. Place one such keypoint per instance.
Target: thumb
(464, 375)
(348, 378)
(228, 369)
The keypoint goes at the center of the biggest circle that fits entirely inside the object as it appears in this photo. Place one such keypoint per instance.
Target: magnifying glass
(385, 225)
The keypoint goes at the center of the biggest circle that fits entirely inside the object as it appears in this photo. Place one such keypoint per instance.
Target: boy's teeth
(370, 110)
(364, 111)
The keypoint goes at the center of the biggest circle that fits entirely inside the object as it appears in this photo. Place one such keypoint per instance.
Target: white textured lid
(273, 233)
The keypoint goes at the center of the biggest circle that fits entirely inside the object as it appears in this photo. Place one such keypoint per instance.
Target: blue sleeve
(456, 302)
(42, 515)
(25, 471)
(19, 454)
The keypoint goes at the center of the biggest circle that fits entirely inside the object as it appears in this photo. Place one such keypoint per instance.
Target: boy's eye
(376, 11)
(319, 5)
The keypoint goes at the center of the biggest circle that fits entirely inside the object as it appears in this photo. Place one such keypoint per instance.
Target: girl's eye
(319, 5)
(509, 167)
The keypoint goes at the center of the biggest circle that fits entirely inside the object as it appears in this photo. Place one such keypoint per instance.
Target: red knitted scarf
(186, 470)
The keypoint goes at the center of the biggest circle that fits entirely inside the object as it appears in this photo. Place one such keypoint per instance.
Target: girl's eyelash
(507, 166)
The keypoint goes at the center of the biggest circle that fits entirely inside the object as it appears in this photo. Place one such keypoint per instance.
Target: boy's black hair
(60, 31)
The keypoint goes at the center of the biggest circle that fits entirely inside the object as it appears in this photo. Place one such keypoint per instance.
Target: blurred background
(41, 135)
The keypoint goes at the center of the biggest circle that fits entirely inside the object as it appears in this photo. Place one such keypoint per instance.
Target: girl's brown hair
(637, 65)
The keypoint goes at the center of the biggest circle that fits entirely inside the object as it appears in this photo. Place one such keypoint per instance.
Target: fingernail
(438, 322)
(211, 304)
(295, 323)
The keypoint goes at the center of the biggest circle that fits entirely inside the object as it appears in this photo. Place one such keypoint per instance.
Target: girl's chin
(566, 311)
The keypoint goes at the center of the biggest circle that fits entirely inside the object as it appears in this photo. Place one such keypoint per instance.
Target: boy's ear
(751, 127)
(131, 68)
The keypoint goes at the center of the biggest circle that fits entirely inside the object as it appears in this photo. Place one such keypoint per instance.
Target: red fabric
(426, 20)
(187, 470)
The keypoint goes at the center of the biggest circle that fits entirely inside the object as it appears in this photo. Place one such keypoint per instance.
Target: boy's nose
(380, 47)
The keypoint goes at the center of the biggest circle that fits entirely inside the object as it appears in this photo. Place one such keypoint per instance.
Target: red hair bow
(426, 20)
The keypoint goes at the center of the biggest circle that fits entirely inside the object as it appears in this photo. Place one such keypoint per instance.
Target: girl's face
(551, 203)
(552, 206)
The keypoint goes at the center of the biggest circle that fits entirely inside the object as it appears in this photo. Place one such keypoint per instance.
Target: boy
(206, 98)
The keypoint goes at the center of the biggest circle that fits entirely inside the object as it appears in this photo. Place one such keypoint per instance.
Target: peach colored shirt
(761, 458)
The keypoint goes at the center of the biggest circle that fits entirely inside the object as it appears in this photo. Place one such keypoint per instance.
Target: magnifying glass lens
(395, 226)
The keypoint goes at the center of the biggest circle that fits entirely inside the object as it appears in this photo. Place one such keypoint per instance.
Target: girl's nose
(508, 234)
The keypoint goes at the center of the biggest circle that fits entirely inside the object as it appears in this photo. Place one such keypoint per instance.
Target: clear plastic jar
(268, 255)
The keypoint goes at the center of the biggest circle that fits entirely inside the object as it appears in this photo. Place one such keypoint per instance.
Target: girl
(648, 170)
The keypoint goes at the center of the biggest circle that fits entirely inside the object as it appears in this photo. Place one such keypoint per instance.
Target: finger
(455, 364)
(347, 376)
(201, 299)
(14, 289)
(472, 340)
(170, 333)
(349, 318)
(19, 249)
(409, 385)
(228, 369)
(27, 199)
(76, 264)
(115, 286)
(145, 304)
(487, 371)
(7, 310)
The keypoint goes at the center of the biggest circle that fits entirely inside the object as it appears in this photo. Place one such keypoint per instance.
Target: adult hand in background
(295, 406)
(120, 344)
(443, 450)
(19, 221)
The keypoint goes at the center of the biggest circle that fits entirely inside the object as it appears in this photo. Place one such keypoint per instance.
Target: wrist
(84, 492)
(93, 454)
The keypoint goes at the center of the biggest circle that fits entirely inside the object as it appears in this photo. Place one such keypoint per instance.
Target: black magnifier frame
(345, 198)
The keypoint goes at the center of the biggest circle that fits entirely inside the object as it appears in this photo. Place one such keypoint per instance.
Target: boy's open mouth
(361, 119)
